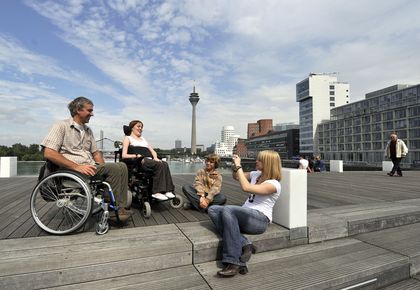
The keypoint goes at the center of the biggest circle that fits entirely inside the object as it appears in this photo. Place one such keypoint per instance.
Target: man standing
(70, 144)
(396, 150)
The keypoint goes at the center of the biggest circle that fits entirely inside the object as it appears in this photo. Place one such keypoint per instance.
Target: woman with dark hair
(163, 186)
(253, 217)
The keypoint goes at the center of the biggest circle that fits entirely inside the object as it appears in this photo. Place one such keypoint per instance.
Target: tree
(23, 152)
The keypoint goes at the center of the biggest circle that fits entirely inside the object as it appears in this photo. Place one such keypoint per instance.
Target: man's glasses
(251, 197)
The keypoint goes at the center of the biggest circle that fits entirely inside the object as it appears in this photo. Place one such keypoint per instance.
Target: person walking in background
(206, 188)
(395, 150)
(253, 217)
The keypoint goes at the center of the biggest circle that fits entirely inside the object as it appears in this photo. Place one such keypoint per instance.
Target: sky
(139, 59)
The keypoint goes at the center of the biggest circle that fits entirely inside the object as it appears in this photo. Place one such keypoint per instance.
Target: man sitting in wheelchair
(70, 144)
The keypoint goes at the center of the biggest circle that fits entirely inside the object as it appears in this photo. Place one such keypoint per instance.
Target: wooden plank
(207, 244)
(326, 265)
(410, 284)
(185, 277)
(404, 240)
(53, 261)
(324, 190)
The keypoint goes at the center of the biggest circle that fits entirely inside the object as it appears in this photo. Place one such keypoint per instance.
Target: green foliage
(23, 152)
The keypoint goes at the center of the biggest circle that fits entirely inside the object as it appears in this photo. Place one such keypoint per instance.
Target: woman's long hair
(271, 164)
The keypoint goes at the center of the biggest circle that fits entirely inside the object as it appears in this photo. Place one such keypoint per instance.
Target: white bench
(8, 166)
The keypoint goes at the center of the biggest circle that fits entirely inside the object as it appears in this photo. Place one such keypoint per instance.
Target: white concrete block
(387, 166)
(8, 166)
(336, 165)
(290, 210)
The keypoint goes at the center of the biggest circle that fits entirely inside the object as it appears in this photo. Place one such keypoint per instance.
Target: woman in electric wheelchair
(163, 186)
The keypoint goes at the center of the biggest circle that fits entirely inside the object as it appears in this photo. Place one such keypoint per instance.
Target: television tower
(194, 98)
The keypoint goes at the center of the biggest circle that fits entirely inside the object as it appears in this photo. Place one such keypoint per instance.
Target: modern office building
(286, 143)
(228, 141)
(317, 95)
(357, 133)
(178, 144)
(285, 126)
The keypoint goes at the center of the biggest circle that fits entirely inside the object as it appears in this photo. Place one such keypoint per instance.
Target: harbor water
(31, 168)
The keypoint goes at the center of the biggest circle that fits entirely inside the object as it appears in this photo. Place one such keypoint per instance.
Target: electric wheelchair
(140, 178)
(63, 200)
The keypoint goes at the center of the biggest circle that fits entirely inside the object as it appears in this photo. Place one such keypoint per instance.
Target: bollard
(336, 165)
(290, 210)
(8, 166)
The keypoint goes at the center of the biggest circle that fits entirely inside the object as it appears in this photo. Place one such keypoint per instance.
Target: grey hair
(78, 104)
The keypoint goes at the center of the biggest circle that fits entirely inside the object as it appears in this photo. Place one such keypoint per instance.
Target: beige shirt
(209, 182)
(65, 138)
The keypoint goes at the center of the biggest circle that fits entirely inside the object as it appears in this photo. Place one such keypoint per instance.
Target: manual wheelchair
(140, 179)
(63, 200)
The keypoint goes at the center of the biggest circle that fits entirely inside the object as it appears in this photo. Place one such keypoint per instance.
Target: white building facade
(317, 95)
(358, 132)
(228, 141)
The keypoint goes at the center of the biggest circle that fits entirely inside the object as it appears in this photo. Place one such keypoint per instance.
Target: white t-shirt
(264, 203)
(303, 163)
(137, 143)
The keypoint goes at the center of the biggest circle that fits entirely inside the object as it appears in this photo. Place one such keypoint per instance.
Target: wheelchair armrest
(98, 178)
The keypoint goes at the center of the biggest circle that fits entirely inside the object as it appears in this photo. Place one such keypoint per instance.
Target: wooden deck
(324, 190)
(368, 224)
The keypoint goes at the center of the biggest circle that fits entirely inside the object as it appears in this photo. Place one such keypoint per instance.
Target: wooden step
(207, 244)
(333, 264)
(53, 261)
(409, 284)
(178, 278)
(344, 221)
(403, 240)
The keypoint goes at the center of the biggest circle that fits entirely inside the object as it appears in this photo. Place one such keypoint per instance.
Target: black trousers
(191, 194)
(396, 168)
(162, 179)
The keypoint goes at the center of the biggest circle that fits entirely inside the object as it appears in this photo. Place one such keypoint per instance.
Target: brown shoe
(231, 270)
(123, 215)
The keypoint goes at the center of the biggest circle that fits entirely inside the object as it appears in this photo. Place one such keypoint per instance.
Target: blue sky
(139, 59)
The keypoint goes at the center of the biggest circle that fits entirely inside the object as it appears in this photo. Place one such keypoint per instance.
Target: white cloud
(244, 56)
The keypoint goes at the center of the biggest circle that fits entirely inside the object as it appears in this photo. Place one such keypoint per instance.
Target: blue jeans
(191, 194)
(231, 221)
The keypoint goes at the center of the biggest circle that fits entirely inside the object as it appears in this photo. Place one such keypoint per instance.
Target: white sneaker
(169, 194)
(159, 196)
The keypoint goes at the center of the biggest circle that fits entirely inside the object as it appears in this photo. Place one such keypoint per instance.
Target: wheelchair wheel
(147, 209)
(177, 202)
(61, 203)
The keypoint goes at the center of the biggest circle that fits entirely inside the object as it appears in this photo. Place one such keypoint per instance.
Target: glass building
(357, 133)
(286, 143)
